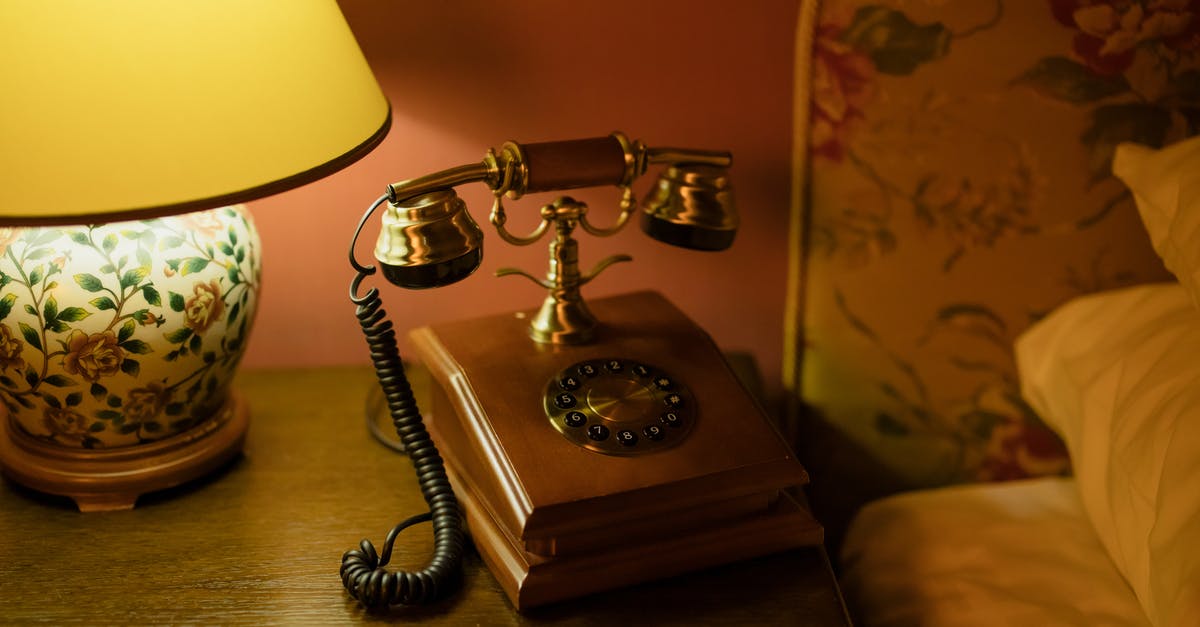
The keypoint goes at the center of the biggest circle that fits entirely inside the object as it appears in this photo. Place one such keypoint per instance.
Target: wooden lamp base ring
(113, 479)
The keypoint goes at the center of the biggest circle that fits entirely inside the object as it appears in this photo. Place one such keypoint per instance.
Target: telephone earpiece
(691, 206)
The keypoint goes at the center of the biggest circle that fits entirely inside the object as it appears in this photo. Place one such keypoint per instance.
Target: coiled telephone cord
(363, 573)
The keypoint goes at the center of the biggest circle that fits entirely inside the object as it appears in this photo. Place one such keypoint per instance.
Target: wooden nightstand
(261, 542)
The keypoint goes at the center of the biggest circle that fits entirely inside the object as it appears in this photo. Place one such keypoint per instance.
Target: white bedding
(1116, 375)
(1019, 553)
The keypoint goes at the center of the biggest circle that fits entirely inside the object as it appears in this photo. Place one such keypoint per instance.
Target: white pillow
(1117, 374)
(1014, 553)
(1166, 185)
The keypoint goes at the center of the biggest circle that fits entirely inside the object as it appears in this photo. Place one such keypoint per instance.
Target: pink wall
(466, 76)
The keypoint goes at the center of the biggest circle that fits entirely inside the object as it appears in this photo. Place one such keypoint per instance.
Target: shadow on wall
(843, 475)
(486, 69)
(466, 76)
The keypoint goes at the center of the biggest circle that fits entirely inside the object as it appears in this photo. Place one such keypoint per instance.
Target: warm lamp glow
(152, 107)
(120, 334)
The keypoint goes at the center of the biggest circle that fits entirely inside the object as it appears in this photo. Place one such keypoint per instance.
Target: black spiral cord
(363, 573)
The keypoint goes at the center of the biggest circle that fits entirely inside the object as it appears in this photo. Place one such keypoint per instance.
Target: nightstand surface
(261, 541)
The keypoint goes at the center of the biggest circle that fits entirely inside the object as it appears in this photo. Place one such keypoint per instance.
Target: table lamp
(127, 282)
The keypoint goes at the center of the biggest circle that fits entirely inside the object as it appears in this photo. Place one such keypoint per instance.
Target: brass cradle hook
(564, 317)
(428, 238)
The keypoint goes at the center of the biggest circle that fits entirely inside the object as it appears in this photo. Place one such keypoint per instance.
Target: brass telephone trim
(618, 406)
(554, 519)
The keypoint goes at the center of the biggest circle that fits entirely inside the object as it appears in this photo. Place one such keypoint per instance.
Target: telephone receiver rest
(428, 239)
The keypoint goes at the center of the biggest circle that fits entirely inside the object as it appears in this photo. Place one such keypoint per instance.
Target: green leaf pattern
(88, 373)
(1148, 106)
(1060, 78)
(868, 59)
(893, 42)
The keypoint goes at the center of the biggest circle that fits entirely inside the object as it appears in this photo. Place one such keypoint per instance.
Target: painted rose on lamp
(124, 333)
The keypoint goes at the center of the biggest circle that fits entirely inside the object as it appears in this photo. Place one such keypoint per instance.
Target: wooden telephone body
(554, 520)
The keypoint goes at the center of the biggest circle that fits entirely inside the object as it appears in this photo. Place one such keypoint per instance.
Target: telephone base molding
(531, 580)
(554, 520)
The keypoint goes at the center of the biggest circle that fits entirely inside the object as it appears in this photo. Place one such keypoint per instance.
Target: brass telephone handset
(428, 239)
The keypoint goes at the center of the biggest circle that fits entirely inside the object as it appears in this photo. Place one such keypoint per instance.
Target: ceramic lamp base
(112, 479)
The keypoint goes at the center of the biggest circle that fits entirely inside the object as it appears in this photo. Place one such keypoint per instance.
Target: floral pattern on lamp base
(124, 333)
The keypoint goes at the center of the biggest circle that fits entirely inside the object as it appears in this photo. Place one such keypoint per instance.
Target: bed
(1117, 375)
(991, 366)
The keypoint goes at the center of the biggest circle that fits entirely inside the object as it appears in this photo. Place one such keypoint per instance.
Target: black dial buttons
(575, 419)
(619, 407)
(564, 401)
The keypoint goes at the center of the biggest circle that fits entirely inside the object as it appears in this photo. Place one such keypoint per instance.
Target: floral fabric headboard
(954, 186)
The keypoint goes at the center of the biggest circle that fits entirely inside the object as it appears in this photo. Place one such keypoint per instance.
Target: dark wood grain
(260, 542)
(530, 494)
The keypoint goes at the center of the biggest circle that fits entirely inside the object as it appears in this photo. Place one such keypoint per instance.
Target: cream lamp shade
(127, 284)
(141, 108)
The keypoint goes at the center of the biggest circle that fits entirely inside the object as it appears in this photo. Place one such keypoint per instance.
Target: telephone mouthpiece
(428, 240)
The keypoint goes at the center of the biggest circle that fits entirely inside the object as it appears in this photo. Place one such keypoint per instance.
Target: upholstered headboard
(953, 186)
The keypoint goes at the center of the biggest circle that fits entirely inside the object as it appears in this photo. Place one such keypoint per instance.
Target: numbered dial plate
(619, 407)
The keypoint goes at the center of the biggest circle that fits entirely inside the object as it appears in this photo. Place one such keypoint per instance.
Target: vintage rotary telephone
(590, 446)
